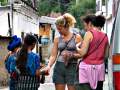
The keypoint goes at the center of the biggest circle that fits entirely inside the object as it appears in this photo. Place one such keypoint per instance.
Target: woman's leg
(100, 85)
(84, 86)
(71, 87)
(59, 86)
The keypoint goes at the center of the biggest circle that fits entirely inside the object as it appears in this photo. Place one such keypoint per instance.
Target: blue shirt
(10, 61)
(33, 63)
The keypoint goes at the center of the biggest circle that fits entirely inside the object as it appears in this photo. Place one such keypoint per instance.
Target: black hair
(99, 21)
(22, 55)
(89, 18)
(30, 39)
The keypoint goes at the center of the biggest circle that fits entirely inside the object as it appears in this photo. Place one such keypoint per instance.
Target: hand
(45, 70)
(64, 54)
(67, 55)
(78, 46)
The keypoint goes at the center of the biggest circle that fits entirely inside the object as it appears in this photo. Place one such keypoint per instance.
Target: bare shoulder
(88, 36)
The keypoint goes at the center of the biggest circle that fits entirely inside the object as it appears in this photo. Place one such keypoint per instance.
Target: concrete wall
(24, 20)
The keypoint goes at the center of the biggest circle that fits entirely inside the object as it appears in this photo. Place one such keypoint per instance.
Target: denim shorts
(63, 74)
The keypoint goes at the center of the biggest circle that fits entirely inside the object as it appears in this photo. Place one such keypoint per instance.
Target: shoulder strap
(92, 50)
(98, 44)
(73, 36)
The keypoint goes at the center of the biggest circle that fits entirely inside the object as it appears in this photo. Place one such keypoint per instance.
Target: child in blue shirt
(28, 65)
(10, 61)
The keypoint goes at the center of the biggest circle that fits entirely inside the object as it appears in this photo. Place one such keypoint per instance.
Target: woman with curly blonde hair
(62, 53)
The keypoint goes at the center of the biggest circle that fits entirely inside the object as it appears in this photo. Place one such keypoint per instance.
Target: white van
(115, 53)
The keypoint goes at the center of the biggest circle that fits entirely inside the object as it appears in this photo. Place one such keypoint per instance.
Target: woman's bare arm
(54, 52)
(85, 44)
(107, 51)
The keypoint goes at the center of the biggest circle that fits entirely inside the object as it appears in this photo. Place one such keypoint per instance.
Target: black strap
(66, 44)
(98, 44)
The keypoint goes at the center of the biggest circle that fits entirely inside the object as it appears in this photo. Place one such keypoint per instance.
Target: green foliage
(47, 6)
(103, 2)
(78, 10)
(81, 9)
(3, 2)
(43, 7)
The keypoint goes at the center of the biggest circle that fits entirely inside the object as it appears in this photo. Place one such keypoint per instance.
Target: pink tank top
(96, 56)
